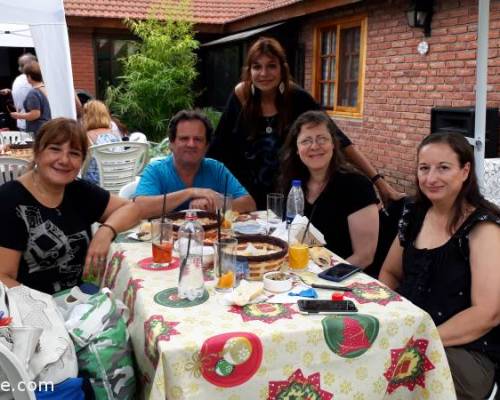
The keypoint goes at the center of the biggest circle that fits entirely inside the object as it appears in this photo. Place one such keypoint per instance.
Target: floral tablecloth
(390, 349)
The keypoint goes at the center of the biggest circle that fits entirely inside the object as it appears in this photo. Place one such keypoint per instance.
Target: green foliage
(158, 78)
(213, 115)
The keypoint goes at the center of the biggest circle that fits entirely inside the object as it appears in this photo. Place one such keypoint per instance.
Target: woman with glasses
(257, 118)
(340, 202)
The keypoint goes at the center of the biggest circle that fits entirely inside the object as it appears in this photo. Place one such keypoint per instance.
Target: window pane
(324, 94)
(324, 69)
(333, 42)
(349, 67)
(325, 42)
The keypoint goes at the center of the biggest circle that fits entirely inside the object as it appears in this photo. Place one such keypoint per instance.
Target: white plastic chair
(127, 192)
(493, 392)
(11, 137)
(11, 168)
(12, 369)
(118, 163)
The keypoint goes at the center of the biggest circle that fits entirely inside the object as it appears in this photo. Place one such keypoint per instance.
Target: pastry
(321, 256)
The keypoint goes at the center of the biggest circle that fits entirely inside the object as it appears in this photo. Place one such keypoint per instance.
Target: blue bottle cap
(296, 182)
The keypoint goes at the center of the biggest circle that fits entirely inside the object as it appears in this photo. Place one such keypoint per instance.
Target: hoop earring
(252, 89)
(281, 87)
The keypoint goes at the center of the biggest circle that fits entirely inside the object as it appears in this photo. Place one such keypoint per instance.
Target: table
(389, 350)
(491, 187)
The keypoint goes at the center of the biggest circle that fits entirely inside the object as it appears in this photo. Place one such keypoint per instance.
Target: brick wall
(82, 59)
(402, 86)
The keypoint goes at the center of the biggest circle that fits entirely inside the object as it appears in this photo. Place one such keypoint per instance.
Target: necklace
(269, 124)
(46, 195)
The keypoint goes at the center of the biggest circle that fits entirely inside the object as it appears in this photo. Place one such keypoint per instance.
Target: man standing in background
(20, 88)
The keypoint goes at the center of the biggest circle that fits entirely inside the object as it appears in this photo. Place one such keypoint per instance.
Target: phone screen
(339, 272)
(326, 306)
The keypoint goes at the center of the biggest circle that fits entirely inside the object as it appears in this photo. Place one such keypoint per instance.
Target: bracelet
(115, 234)
(376, 177)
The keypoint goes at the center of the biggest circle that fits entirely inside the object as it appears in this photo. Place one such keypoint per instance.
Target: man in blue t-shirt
(188, 178)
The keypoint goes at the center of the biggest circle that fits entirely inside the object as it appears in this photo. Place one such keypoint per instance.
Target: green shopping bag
(103, 349)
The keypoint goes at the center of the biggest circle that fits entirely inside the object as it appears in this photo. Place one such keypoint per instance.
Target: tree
(158, 78)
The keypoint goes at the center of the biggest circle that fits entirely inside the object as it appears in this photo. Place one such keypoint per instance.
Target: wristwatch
(376, 177)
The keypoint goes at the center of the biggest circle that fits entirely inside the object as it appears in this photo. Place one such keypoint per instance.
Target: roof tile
(203, 11)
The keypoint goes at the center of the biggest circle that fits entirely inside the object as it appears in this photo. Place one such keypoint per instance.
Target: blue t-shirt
(161, 177)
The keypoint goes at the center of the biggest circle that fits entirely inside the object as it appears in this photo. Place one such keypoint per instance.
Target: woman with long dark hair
(340, 202)
(257, 118)
(446, 260)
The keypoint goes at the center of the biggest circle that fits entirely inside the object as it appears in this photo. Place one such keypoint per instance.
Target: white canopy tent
(49, 34)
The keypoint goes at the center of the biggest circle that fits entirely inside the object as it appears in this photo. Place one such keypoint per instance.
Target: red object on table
(336, 296)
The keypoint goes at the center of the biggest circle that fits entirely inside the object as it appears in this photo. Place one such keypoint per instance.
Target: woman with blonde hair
(97, 123)
(257, 118)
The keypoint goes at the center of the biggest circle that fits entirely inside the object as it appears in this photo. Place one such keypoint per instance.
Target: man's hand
(5, 92)
(211, 197)
(201, 204)
(387, 192)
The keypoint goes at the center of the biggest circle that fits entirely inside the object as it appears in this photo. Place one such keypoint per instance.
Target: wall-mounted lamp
(419, 15)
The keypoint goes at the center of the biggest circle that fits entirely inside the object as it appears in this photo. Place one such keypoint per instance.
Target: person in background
(339, 202)
(257, 119)
(36, 102)
(97, 123)
(45, 235)
(188, 178)
(446, 260)
(20, 88)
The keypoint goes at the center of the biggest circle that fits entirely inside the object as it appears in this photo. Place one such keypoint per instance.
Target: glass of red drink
(162, 240)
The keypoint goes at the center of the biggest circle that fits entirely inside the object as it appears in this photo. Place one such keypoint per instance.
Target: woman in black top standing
(257, 118)
(446, 261)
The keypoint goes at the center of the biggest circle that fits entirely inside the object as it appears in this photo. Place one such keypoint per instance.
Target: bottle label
(242, 269)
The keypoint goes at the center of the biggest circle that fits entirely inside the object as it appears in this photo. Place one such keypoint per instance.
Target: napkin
(313, 237)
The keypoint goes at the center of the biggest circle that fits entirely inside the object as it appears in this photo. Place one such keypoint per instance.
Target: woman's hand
(95, 262)
(387, 192)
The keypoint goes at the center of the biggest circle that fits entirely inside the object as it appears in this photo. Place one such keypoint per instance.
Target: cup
(298, 252)
(225, 273)
(226, 211)
(162, 235)
(275, 202)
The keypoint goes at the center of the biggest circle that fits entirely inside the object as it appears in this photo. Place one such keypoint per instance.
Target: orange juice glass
(298, 252)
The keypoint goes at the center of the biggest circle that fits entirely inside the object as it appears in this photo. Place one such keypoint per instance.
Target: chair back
(11, 368)
(11, 137)
(118, 163)
(127, 191)
(11, 168)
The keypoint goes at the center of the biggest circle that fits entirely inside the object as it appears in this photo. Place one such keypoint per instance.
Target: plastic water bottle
(190, 237)
(294, 201)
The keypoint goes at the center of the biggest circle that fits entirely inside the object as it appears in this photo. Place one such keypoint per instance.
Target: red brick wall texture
(402, 86)
(82, 59)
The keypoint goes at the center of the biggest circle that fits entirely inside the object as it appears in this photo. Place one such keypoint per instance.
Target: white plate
(248, 228)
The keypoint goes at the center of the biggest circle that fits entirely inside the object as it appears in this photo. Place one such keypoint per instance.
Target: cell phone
(326, 306)
(339, 272)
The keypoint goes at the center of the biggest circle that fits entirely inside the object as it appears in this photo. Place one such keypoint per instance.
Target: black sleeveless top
(438, 280)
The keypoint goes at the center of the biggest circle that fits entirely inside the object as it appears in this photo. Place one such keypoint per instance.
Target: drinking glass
(162, 235)
(225, 252)
(226, 211)
(298, 251)
(275, 202)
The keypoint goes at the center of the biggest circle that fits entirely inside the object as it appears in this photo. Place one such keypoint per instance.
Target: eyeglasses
(319, 140)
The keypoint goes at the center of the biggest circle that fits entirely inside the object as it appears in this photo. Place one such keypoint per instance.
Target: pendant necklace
(45, 194)
(269, 124)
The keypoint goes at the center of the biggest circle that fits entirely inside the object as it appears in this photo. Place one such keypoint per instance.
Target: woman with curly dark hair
(344, 201)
